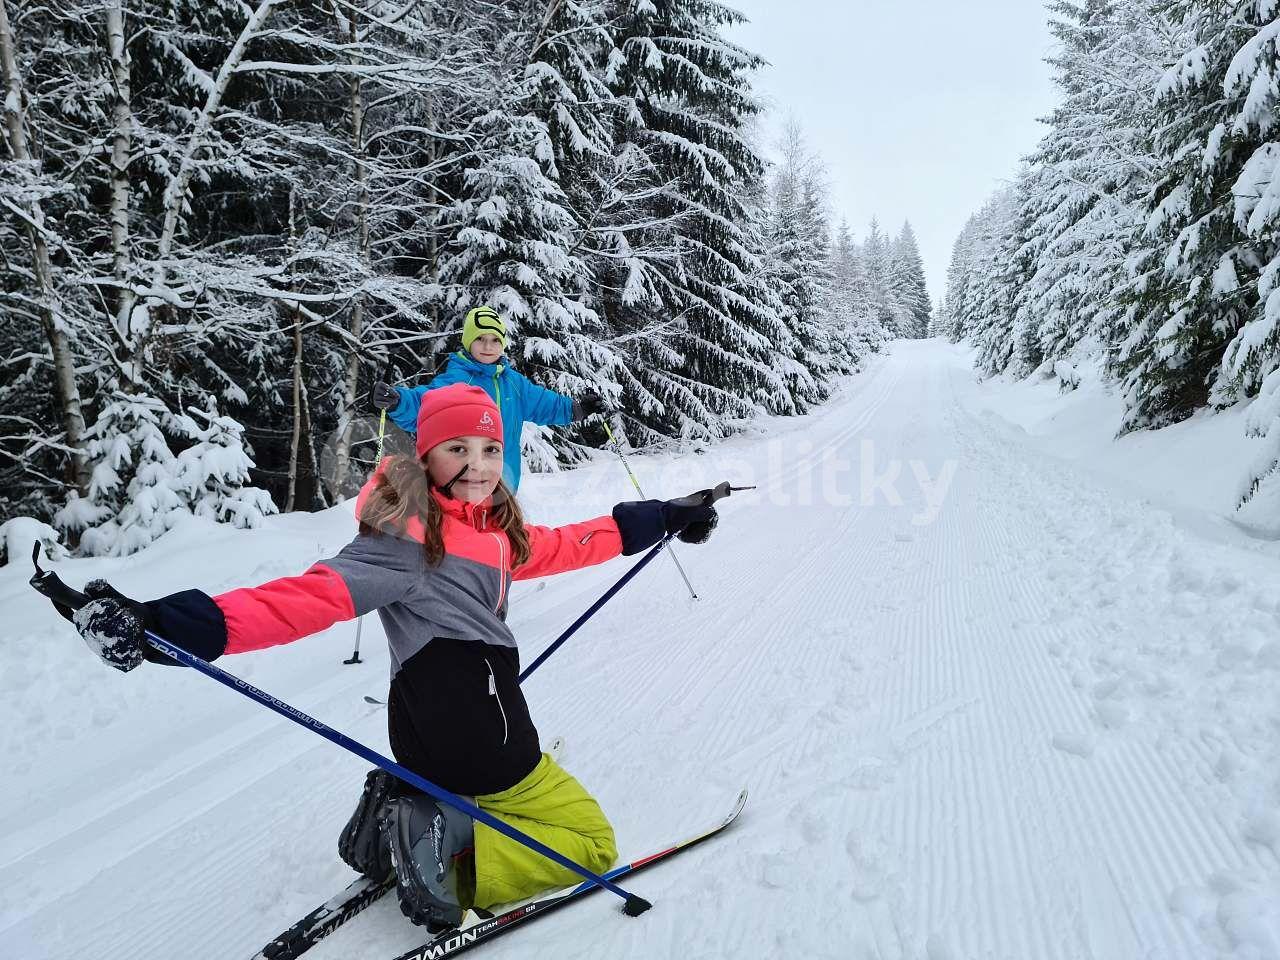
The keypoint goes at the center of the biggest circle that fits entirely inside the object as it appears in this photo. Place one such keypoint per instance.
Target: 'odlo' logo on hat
(486, 420)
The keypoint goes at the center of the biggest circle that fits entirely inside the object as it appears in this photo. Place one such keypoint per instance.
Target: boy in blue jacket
(480, 363)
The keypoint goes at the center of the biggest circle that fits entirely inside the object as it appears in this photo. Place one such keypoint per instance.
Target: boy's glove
(589, 405)
(383, 396)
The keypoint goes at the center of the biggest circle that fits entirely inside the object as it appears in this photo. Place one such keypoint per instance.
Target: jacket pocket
(493, 692)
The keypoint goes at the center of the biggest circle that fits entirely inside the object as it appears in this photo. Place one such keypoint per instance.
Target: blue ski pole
(65, 598)
(608, 595)
(707, 497)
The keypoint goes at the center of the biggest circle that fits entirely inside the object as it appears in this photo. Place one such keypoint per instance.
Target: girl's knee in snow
(604, 851)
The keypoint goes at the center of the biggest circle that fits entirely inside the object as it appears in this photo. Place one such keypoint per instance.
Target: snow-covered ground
(1018, 699)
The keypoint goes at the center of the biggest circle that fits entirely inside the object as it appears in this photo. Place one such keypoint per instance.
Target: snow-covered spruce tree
(131, 499)
(1093, 169)
(966, 253)
(828, 351)
(890, 312)
(850, 298)
(1197, 280)
(517, 243)
(1252, 359)
(937, 320)
(212, 474)
(797, 268)
(906, 280)
(986, 294)
(713, 356)
(1023, 249)
(140, 489)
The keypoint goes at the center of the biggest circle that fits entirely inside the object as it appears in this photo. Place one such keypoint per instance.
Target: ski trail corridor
(1035, 719)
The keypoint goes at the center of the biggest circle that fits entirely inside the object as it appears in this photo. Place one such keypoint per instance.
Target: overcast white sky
(919, 109)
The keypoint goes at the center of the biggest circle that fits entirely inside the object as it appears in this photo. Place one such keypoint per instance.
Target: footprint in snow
(867, 878)
(1077, 744)
(1111, 715)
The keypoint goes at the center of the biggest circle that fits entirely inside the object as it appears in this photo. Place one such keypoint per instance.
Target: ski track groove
(1156, 834)
(1006, 540)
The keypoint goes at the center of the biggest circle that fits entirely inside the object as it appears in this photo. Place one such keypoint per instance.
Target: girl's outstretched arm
(634, 526)
(370, 572)
(571, 547)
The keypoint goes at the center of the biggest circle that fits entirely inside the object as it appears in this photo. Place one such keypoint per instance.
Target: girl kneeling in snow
(440, 541)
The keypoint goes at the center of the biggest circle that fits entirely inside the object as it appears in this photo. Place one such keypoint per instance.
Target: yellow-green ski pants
(552, 807)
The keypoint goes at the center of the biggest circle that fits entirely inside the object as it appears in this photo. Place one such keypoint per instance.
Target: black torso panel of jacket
(456, 715)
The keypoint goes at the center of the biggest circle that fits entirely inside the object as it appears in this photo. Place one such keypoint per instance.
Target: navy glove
(383, 396)
(691, 518)
(643, 523)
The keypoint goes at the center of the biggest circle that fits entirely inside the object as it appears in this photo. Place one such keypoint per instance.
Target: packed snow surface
(995, 695)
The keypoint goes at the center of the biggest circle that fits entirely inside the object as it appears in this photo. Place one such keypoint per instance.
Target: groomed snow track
(1042, 725)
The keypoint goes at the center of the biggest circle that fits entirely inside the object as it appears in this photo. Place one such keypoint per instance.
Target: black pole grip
(66, 600)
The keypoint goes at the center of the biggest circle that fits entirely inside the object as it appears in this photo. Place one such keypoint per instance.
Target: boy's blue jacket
(518, 398)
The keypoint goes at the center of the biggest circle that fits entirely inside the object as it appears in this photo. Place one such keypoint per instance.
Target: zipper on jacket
(474, 375)
(502, 571)
(493, 692)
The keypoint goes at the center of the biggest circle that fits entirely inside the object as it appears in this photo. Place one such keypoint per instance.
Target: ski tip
(737, 806)
(634, 906)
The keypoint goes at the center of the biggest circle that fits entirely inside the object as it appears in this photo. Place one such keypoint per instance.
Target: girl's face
(486, 348)
(482, 456)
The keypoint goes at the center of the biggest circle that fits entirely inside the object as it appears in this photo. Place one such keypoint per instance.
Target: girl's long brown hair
(403, 491)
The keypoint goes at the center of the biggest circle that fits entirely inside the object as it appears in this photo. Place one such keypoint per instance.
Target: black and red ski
(453, 942)
(325, 919)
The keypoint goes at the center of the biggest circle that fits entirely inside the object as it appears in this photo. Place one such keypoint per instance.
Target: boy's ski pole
(636, 483)
(718, 492)
(64, 597)
(382, 432)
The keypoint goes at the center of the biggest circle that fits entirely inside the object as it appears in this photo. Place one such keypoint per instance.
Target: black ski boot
(361, 845)
(432, 849)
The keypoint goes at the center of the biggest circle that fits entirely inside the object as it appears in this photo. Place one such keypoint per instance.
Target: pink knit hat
(456, 411)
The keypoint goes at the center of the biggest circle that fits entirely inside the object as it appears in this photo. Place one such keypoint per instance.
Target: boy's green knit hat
(482, 320)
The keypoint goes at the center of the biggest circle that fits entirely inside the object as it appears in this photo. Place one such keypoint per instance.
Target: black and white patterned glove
(113, 626)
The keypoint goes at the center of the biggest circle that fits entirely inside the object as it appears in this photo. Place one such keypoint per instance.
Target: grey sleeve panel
(378, 570)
